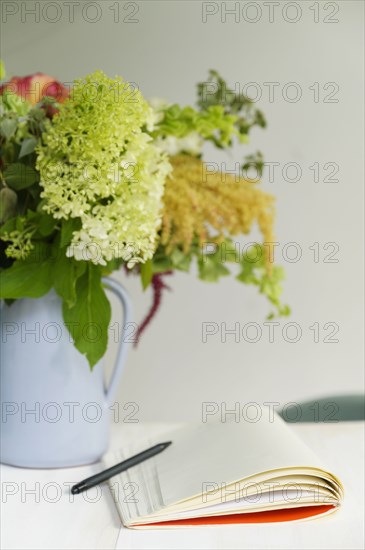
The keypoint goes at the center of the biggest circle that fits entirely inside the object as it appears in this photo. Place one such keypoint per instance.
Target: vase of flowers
(96, 179)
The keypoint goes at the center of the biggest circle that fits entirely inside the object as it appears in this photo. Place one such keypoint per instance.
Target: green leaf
(228, 250)
(211, 268)
(29, 278)
(213, 93)
(88, 320)
(255, 161)
(9, 226)
(8, 127)
(8, 204)
(254, 271)
(18, 176)
(37, 114)
(46, 224)
(161, 264)
(67, 230)
(112, 265)
(180, 260)
(146, 274)
(67, 271)
(27, 147)
(15, 104)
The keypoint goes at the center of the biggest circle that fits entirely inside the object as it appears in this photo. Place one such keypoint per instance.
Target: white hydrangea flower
(98, 164)
(192, 144)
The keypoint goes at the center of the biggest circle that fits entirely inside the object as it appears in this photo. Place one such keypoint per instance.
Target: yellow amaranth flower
(206, 205)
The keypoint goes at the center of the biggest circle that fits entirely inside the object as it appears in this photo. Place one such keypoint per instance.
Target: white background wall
(166, 52)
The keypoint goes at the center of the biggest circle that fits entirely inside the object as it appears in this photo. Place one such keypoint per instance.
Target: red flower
(34, 87)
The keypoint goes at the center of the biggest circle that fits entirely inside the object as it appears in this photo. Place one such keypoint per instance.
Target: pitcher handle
(122, 294)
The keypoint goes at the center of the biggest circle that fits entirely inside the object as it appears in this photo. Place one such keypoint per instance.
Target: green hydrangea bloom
(98, 163)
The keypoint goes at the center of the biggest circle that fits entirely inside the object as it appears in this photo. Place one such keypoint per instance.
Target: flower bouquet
(95, 178)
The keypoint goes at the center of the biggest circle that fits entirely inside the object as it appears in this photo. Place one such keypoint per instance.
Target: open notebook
(222, 473)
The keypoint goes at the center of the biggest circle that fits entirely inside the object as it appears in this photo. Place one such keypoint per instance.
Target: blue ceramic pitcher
(55, 411)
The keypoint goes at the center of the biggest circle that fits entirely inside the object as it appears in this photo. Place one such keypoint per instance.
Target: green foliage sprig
(221, 116)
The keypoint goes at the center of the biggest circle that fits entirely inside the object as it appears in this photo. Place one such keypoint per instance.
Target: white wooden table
(38, 512)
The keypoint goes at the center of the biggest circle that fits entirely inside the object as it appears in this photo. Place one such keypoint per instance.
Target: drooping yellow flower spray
(211, 205)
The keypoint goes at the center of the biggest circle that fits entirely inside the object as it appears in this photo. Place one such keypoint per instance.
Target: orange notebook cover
(289, 514)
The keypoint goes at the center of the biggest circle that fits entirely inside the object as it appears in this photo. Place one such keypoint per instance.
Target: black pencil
(118, 468)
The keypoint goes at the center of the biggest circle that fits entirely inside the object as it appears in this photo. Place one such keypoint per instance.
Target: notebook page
(212, 453)
(264, 501)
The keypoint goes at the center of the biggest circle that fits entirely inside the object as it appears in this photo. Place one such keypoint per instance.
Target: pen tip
(75, 490)
(166, 444)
